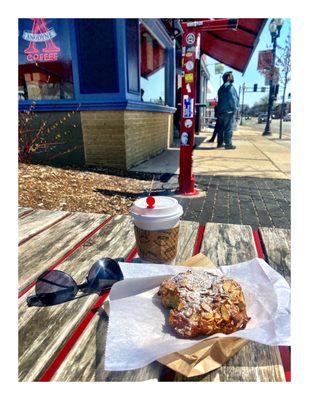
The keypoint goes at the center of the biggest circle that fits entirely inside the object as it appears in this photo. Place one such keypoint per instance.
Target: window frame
(157, 30)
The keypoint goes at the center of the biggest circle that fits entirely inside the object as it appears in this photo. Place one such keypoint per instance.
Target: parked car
(262, 118)
(287, 117)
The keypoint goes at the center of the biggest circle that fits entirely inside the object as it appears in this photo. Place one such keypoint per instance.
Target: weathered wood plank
(85, 362)
(277, 244)
(228, 244)
(23, 210)
(43, 331)
(36, 221)
(187, 236)
(39, 253)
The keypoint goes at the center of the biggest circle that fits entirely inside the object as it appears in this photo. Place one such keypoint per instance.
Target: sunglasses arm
(33, 300)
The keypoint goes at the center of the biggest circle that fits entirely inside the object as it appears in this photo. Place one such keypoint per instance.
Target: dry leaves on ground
(51, 188)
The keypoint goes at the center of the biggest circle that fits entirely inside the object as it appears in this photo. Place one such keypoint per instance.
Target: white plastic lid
(164, 207)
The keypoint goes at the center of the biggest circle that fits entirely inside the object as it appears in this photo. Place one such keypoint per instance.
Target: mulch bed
(93, 190)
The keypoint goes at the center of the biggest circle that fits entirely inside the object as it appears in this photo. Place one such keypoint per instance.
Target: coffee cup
(157, 228)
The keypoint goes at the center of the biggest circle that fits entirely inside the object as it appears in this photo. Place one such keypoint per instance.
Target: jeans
(225, 133)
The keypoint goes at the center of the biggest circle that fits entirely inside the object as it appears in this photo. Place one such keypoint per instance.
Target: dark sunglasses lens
(54, 287)
(103, 274)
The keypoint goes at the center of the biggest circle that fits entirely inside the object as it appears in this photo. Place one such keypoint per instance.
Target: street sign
(265, 60)
(275, 77)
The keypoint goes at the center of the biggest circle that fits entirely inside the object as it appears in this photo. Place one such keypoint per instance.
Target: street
(275, 124)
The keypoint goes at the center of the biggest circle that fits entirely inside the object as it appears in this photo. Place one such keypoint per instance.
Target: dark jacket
(228, 100)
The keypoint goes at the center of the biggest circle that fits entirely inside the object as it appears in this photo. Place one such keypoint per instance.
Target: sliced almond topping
(205, 306)
(188, 312)
(225, 313)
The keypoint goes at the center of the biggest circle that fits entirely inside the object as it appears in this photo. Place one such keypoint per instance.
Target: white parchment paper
(138, 330)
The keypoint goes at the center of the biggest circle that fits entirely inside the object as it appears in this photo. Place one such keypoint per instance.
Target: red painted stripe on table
(285, 351)
(43, 229)
(76, 334)
(258, 244)
(198, 240)
(67, 254)
(24, 214)
(131, 255)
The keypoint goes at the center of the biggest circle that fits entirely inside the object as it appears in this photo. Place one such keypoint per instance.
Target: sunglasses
(54, 287)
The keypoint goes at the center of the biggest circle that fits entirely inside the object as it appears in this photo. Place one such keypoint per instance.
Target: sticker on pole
(189, 65)
(184, 138)
(189, 51)
(188, 103)
(188, 87)
(190, 38)
(188, 123)
(189, 78)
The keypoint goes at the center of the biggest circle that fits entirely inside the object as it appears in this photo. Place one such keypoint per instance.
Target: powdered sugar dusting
(198, 290)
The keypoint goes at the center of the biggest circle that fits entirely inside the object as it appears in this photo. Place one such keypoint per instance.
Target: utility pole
(274, 28)
(242, 104)
(286, 63)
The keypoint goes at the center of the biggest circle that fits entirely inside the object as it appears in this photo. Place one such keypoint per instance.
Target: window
(153, 67)
(45, 63)
(97, 55)
(132, 36)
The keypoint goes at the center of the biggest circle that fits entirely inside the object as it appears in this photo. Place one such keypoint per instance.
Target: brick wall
(104, 141)
(147, 134)
(122, 139)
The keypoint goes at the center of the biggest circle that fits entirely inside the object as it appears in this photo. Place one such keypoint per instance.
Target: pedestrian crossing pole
(191, 39)
(190, 53)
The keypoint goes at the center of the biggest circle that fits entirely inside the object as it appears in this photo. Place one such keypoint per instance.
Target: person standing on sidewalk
(228, 102)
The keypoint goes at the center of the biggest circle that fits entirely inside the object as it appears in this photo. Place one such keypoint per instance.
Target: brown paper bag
(208, 354)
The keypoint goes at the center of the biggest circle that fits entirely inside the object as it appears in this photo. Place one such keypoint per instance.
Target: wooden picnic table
(66, 342)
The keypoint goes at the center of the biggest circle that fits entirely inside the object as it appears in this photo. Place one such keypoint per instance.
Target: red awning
(233, 47)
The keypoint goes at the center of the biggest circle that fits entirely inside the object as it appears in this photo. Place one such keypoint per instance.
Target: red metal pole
(190, 53)
(190, 48)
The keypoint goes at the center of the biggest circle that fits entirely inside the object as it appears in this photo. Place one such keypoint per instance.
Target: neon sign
(41, 33)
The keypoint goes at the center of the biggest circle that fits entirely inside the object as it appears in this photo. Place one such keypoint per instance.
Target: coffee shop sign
(41, 33)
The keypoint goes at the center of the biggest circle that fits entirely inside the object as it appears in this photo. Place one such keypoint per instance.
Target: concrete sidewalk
(255, 156)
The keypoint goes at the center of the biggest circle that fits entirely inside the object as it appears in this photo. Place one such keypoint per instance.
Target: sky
(154, 86)
(251, 75)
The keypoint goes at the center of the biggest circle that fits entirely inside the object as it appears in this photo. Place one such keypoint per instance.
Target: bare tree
(284, 65)
(260, 106)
